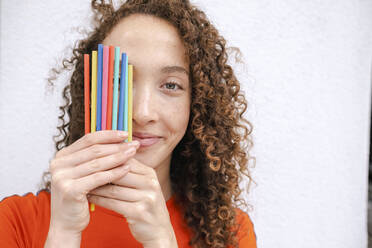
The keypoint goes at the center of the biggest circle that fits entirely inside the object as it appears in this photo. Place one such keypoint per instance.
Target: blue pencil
(116, 89)
(126, 96)
(99, 87)
(122, 98)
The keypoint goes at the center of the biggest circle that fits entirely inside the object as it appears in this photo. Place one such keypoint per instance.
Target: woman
(177, 182)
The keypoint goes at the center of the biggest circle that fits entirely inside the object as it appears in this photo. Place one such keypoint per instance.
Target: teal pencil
(116, 90)
(126, 96)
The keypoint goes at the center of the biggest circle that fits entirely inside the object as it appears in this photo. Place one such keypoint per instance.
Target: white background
(307, 77)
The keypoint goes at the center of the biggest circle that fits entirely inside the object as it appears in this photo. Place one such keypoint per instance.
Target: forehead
(148, 41)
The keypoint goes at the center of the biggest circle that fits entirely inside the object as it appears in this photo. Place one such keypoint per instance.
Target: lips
(146, 139)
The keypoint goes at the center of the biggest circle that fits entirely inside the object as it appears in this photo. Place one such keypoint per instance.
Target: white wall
(307, 77)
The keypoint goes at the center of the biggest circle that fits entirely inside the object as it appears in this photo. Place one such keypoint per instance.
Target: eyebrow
(174, 68)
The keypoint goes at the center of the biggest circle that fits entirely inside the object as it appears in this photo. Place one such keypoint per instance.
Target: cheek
(177, 117)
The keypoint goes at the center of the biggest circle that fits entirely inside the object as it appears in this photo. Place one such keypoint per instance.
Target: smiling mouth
(146, 141)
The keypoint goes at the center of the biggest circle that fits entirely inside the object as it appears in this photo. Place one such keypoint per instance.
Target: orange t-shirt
(24, 222)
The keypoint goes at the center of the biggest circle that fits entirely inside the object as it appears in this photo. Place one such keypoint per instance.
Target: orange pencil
(86, 93)
(110, 87)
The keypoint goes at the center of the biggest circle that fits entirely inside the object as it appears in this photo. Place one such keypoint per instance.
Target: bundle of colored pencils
(108, 103)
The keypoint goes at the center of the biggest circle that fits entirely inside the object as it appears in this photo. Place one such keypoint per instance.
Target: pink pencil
(105, 68)
(86, 93)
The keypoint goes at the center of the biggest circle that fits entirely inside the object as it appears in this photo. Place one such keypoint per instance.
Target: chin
(146, 158)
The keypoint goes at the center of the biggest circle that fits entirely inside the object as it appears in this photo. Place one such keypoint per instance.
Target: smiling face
(161, 87)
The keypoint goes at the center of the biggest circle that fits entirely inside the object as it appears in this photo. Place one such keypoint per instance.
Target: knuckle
(113, 175)
(149, 199)
(57, 162)
(153, 184)
(66, 188)
(89, 138)
(94, 164)
(141, 208)
(57, 178)
(97, 150)
(103, 177)
(79, 197)
(53, 165)
(144, 216)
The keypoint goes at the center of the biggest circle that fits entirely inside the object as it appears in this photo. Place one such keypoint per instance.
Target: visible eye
(172, 86)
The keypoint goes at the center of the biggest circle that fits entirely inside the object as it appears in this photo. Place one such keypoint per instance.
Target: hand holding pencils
(111, 101)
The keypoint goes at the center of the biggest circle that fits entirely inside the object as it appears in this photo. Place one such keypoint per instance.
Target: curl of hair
(208, 163)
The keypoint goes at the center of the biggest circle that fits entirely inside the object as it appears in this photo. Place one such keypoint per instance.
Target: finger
(95, 180)
(101, 164)
(139, 168)
(93, 152)
(118, 192)
(136, 181)
(127, 209)
(100, 137)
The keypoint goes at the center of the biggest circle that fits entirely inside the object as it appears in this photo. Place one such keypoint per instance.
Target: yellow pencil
(93, 93)
(93, 101)
(130, 99)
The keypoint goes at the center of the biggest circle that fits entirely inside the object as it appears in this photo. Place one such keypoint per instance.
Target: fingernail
(134, 143)
(123, 134)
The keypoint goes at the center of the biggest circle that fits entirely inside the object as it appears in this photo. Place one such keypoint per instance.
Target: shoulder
(26, 207)
(28, 201)
(24, 219)
(245, 229)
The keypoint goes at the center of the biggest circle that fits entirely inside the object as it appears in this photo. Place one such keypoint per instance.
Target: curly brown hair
(208, 163)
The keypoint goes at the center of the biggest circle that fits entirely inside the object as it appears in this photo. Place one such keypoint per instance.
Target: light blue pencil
(116, 89)
(122, 98)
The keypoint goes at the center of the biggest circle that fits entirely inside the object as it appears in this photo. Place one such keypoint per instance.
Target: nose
(144, 105)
